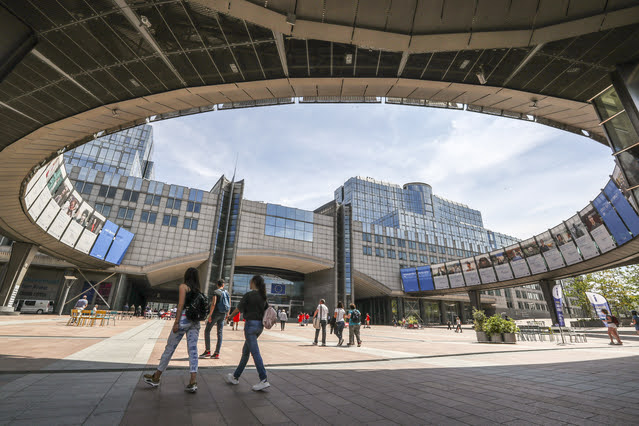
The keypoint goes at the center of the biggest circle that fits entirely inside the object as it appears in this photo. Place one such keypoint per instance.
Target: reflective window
(284, 222)
(379, 252)
(390, 254)
(367, 250)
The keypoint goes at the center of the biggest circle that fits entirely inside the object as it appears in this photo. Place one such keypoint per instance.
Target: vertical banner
(440, 276)
(409, 279)
(612, 220)
(502, 267)
(594, 223)
(623, 207)
(455, 276)
(598, 302)
(550, 251)
(469, 269)
(557, 296)
(566, 244)
(580, 235)
(517, 261)
(425, 278)
(486, 271)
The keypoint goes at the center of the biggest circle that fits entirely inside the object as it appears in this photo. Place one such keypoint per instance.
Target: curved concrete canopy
(98, 67)
(285, 260)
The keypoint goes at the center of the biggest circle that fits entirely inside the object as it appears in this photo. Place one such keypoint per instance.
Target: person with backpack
(354, 321)
(283, 318)
(252, 306)
(220, 307)
(192, 308)
(322, 313)
(611, 322)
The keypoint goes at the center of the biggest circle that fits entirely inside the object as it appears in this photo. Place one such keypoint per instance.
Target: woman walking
(339, 322)
(187, 290)
(252, 306)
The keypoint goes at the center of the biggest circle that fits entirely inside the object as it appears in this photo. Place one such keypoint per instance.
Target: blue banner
(104, 240)
(409, 279)
(278, 289)
(612, 220)
(119, 247)
(557, 296)
(623, 207)
(425, 277)
(599, 302)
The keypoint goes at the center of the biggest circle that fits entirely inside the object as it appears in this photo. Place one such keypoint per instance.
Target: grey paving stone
(104, 418)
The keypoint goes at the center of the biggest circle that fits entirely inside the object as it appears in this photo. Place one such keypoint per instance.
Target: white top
(282, 316)
(322, 312)
(340, 314)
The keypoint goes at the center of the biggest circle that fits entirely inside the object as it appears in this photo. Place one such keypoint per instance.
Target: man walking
(354, 321)
(322, 313)
(220, 307)
(283, 318)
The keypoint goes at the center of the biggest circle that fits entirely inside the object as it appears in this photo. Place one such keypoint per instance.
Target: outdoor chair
(83, 318)
(73, 318)
(110, 315)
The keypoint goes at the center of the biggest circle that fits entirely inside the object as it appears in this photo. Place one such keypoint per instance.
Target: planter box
(509, 338)
(496, 338)
(482, 337)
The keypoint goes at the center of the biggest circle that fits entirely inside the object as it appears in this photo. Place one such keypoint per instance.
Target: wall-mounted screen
(469, 269)
(440, 276)
(531, 250)
(623, 207)
(455, 276)
(612, 220)
(102, 244)
(486, 271)
(409, 279)
(549, 250)
(565, 244)
(425, 277)
(121, 244)
(581, 237)
(517, 261)
(594, 223)
(500, 262)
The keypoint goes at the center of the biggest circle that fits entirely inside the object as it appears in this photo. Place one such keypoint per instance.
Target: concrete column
(21, 256)
(546, 288)
(475, 299)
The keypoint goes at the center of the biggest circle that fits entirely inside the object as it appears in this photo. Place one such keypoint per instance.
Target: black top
(253, 306)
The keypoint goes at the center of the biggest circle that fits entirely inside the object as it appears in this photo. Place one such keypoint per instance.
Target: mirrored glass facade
(288, 222)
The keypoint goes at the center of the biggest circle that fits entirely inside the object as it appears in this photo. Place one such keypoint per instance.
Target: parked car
(35, 306)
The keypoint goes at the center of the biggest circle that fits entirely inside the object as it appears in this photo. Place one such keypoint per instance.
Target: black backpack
(356, 316)
(197, 306)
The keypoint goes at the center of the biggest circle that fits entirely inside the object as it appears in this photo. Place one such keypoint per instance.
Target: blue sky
(523, 177)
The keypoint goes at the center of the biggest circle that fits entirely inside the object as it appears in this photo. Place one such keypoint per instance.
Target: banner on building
(425, 278)
(612, 220)
(409, 279)
(623, 207)
(278, 289)
(595, 225)
(557, 296)
(598, 302)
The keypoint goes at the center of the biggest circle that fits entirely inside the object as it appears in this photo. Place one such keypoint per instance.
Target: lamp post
(69, 280)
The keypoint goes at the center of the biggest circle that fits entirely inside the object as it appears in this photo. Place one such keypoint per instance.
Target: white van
(35, 306)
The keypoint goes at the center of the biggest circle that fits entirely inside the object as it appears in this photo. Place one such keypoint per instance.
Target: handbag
(316, 322)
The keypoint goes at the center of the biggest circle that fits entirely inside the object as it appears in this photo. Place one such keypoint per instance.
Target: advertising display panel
(580, 235)
(500, 262)
(455, 276)
(102, 244)
(59, 224)
(87, 238)
(549, 250)
(39, 204)
(48, 214)
(83, 214)
(72, 204)
(531, 250)
(96, 222)
(621, 183)
(121, 244)
(72, 233)
(565, 244)
(39, 182)
(612, 220)
(594, 223)
(517, 261)
(61, 194)
(440, 276)
(486, 271)
(623, 207)
(409, 279)
(469, 269)
(425, 277)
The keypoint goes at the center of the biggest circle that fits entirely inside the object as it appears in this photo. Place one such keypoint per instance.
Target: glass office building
(126, 153)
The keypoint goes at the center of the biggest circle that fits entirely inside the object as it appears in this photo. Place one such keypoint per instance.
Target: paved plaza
(52, 374)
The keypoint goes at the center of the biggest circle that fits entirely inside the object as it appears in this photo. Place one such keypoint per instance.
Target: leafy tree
(576, 289)
(620, 286)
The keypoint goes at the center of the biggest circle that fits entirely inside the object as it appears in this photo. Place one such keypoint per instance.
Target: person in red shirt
(300, 318)
(306, 319)
(236, 322)
(368, 321)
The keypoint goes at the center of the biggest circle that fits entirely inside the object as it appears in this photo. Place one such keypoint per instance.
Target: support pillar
(69, 280)
(475, 299)
(21, 256)
(546, 288)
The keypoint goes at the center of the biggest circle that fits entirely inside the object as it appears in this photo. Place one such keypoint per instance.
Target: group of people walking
(321, 319)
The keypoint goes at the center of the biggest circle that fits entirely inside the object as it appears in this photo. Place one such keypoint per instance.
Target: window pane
(106, 210)
(270, 220)
(174, 220)
(299, 226)
(189, 206)
(194, 223)
(134, 197)
(144, 217)
(169, 203)
(280, 232)
(269, 230)
(197, 208)
(271, 209)
(299, 235)
(129, 213)
(281, 211)
(126, 195)
(187, 223)
(177, 204)
(166, 220)
(156, 200)
(122, 213)
(111, 193)
(152, 217)
(280, 223)
(103, 190)
(148, 199)
(290, 233)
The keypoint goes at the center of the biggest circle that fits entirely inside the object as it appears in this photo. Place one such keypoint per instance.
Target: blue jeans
(192, 330)
(252, 330)
(218, 320)
(339, 329)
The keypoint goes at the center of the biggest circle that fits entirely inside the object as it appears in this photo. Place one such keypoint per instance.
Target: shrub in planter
(479, 319)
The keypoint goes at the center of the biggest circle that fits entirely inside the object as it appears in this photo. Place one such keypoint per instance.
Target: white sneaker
(231, 380)
(261, 385)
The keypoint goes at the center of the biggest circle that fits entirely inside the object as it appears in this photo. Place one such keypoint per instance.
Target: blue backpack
(224, 304)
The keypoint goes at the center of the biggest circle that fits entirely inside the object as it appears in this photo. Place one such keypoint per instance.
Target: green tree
(620, 286)
(576, 289)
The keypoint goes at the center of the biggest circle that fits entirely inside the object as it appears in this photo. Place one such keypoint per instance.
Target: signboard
(409, 279)
(72, 233)
(517, 261)
(565, 244)
(486, 271)
(102, 244)
(39, 204)
(48, 214)
(469, 269)
(59, 225)
(278, 289)
(502, 268)
(119, 246)
(611, 219)
(557, 296)
(440, 276)
(594, 223)
(455, 276)
(623, 207)
(425, 278)
(549, 250)
(598, 302)
(531, 250)
(87, 238)
(580, 235)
